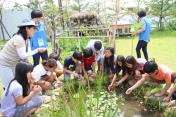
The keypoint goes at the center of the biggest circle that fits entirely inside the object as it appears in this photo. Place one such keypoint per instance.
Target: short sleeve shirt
(39, 71)
(163, 74)
(69, 63)
(88, 61)
(98, 54)
(8, 103)
(146, 26)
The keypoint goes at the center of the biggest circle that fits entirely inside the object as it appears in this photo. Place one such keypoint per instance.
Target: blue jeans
(36, 57)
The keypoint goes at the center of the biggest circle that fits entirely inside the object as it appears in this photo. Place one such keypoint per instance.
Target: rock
(46, 105)
(46, 99)
(53, 97)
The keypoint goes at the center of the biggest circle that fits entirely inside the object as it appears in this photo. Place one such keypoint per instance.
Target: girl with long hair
(20, 98)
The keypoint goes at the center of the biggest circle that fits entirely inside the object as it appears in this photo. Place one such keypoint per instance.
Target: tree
(62, 14)
(162, 9)
(2, 30)
(2, 26)
(79, 5)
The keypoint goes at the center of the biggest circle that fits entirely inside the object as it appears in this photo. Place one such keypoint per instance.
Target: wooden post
(117, 14)
(53, 41)
(78, 40)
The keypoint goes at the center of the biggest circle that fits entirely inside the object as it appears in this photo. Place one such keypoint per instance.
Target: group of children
(22, 96)
(134, 71)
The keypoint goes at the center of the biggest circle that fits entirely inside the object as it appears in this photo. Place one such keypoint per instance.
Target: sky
(124, 3)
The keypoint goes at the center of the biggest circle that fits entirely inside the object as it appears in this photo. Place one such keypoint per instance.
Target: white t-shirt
(39, 71)
(141, 60)
(8, 103)
(59, 65)
(98, 54)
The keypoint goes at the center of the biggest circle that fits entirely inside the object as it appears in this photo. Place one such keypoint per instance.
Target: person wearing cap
(40, 38)
(17, 49)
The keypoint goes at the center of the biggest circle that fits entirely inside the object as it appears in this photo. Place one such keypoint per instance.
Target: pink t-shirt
(163, 74)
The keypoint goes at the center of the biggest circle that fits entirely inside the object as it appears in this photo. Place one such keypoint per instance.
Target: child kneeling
(88, 63)
(45, 74)
(72, 66)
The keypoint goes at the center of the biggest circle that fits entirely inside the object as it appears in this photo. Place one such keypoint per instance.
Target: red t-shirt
(88, 61)
(163, 74)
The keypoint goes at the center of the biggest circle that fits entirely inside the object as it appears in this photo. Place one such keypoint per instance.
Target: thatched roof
(85, 18)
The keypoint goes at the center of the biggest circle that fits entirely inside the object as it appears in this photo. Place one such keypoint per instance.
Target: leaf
(136, 26)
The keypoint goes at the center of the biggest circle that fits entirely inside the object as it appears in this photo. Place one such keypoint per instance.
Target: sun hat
(26, 22)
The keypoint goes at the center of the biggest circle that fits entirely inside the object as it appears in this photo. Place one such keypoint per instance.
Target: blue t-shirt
(69, 64)
(147, 29)
(39, 38)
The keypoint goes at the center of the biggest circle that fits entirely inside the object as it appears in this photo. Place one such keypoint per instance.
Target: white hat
(26, 22)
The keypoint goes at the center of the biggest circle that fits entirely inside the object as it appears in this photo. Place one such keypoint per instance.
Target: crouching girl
(20, 99)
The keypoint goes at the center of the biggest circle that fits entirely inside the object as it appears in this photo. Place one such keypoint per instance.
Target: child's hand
(117, 84)
(75, 74)
(36, 88)
(59, 83)
(128, 91)
(110, 87)
(93, 74)
(80, 77)
(133, 34)
(158, 94)
(166, 99)
(171, 103)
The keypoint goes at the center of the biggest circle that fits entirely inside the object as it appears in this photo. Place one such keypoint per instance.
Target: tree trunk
(2, 30)
(98, 7)
(161, 16)
(138, 5)
(62, 14)
(79, 6)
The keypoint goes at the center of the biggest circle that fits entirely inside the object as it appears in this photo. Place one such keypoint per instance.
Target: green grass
(2, 42)
(161, 47)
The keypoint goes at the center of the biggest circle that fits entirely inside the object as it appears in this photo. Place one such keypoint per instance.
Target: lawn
(161, 47)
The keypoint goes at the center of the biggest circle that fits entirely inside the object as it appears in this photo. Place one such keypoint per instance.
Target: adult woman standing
(15, 50)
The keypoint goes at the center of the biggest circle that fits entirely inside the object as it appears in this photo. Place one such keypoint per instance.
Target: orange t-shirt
(163, 74)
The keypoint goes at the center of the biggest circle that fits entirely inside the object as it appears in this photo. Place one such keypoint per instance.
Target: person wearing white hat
(17, 49)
